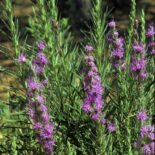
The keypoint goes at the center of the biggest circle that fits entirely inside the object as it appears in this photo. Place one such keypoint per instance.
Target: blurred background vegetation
(77, 11)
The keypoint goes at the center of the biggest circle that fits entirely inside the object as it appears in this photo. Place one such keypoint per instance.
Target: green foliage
(130, 29)
(75, 132)
(143, 27)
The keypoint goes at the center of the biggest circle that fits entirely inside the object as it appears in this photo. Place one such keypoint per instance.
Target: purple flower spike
(21, 58)
(117, 51)
(88, 48)
(41, 46)
(93, 88)
(37, 105)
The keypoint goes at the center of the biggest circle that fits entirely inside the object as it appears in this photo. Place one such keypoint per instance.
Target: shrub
(75, 100)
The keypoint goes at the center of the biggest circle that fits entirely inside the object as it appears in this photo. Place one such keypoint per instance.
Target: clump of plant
(75, 100)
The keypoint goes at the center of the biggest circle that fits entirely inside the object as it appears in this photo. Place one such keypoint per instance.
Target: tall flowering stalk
(116, 45)
(93, 88)
(92, 85)
(38, 110)
(151, 50)
(93, 102)
(138, 59)
(146, 140)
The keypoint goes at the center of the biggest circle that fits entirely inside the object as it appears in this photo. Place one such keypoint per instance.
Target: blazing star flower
(118, 54)
(149, 128)
(88, 48)
(151, 136)
(37, 125)
(93, 89)
(111, 127)
(85, 58)
(45, 117)
(91, 58)
(112, 24)
(138, 47)
(32, 84)
(138, 67)
(117, 43)
(41, 58)
(29, 93)
(116, 34)
(146, 149)
(39, 69)
(43, 108)
(116, 63)
(142, 116)
(103, 120)
(86, 107)
(48, 145)
(41, 46)
(21, 58)
(39, 63)
(151, 44)
(152, 145)
(31, 113)
(143, 75)
(143, 131)
(37, 106)
(152, 52)
(151, 31)
(95, 116)
(40, 99)
(94, 69)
